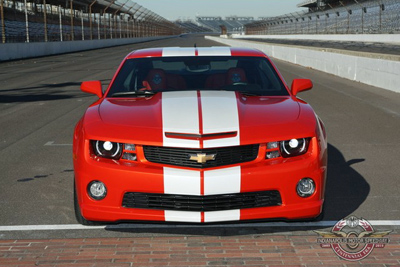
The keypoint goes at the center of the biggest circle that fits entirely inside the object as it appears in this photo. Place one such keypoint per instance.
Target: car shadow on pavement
(42, 92)
(346, 190)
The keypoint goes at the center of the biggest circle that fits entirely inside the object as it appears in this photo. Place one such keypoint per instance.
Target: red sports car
(198, 135)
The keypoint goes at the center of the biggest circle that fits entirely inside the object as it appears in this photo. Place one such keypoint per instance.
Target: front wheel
(320, 217)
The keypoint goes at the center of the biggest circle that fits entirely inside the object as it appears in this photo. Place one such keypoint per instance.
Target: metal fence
(376, 16)
(56, 20)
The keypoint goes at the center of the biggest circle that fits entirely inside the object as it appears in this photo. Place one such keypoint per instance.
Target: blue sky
(183, 9)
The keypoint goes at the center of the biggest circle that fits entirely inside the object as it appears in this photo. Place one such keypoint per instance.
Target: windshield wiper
(249, 93)
(134, 93)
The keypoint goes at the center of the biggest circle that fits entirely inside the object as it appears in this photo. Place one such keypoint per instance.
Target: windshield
(249, 75)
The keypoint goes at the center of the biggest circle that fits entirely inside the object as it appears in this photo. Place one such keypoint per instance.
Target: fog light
(97, 190)
(273, 154)
(305, 187)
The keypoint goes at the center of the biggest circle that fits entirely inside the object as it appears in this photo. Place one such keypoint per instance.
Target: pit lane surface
(40, 102)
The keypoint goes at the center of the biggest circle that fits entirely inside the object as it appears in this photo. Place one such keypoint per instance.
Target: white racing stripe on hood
(220, 114)
(180, 114)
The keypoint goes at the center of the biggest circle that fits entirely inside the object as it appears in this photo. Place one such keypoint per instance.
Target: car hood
(200, 119)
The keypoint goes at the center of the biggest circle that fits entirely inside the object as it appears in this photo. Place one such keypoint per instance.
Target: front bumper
(260, 175)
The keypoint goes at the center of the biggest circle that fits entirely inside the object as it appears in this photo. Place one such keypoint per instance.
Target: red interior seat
(175, 81)
(215, 81)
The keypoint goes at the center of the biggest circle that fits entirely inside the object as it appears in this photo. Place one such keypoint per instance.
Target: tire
(320, 217)
(78, 214)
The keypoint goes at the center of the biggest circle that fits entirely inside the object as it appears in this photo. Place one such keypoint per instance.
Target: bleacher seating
(363, 16)
(191, 27)
(232, 24)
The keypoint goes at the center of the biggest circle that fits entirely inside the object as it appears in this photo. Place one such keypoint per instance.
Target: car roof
(195, 51)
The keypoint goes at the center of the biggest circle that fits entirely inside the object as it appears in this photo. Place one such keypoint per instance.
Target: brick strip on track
(249, 250)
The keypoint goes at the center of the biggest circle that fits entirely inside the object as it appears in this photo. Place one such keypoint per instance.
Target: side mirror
(92, 87)
(300, 85)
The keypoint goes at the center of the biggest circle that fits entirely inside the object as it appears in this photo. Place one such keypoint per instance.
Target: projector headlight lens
(294, 147)
(107, 149)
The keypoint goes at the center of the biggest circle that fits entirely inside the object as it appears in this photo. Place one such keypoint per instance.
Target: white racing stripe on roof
(150, 225)
(214, 51)
(178, 52)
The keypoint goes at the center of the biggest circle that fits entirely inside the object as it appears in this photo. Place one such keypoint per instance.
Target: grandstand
(58, 20)
(232, 23)
(334, 17)
(189, 26)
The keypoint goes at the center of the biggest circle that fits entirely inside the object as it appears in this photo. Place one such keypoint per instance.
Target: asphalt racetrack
(40, 102)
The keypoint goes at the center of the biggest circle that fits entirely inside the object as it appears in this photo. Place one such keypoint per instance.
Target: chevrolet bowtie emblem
(201, 157)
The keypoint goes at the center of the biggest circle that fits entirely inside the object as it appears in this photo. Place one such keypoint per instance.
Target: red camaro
(198, 135)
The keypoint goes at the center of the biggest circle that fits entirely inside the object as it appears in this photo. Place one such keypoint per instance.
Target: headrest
(155, 79)
(236, 75)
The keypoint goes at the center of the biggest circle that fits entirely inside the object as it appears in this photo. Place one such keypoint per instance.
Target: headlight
(288, 148)
(294, 147)
(107, 149)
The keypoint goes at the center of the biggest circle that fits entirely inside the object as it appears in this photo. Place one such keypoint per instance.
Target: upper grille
(181, 156)
(202, 203)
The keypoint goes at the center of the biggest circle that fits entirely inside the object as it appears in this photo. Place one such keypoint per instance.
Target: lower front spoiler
(293, 212)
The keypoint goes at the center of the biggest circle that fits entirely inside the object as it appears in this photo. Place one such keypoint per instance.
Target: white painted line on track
(51, 143)
(48, 227)
(175, 226)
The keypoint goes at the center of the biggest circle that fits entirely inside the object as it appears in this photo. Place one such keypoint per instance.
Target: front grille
(181, 156)
(202, 203)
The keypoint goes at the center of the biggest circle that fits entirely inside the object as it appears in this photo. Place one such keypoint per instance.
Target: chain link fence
(56, 20)
(370, 17)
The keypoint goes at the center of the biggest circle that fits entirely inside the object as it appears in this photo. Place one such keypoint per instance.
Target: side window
(128, 78)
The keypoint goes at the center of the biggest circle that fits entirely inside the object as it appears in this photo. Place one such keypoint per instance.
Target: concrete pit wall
(371, 69)
(369, 38)
(13, 51)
